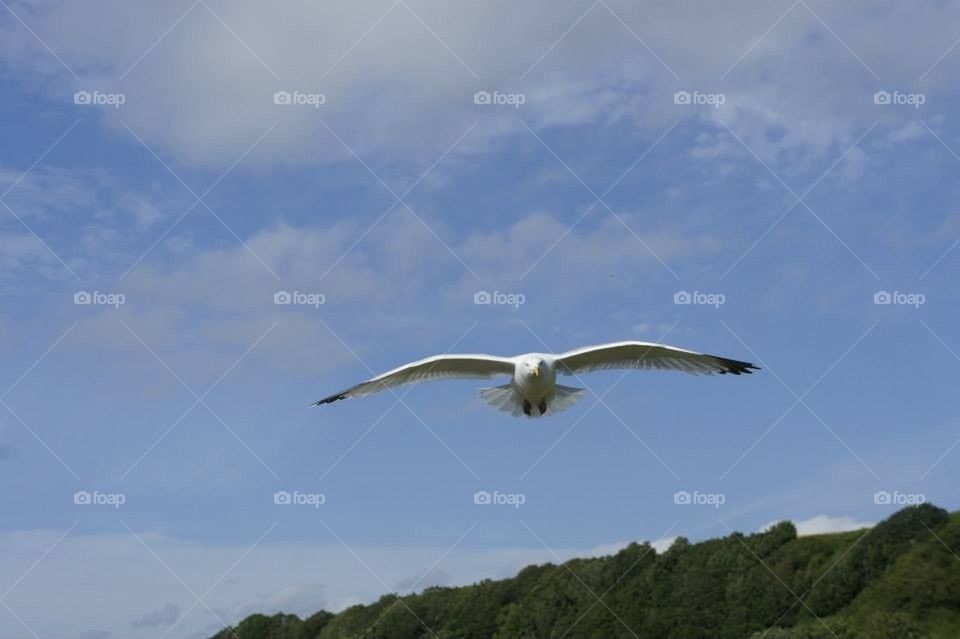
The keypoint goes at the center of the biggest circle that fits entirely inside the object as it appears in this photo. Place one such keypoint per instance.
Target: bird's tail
(507, 399)
(504, 398)
(563, 398)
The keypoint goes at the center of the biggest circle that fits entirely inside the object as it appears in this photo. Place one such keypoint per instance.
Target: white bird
(533, 388)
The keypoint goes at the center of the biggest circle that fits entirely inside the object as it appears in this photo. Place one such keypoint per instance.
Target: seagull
(533, 390)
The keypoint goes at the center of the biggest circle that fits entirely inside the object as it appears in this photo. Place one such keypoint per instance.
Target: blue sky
(788, 189)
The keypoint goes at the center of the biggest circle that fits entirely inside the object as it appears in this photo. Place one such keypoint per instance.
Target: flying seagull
(533, 388)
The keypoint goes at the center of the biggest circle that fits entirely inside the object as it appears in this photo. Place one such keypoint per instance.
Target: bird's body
(535, 380)
(533, 390)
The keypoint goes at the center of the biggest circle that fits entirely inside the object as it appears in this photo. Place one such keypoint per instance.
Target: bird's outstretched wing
(431, 368)
(646, 355)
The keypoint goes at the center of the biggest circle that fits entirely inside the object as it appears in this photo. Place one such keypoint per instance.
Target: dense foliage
(897, 580)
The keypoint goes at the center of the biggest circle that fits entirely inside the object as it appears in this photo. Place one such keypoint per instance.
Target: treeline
(898, 580)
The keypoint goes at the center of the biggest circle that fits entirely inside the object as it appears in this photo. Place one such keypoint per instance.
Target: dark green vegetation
(897, 580)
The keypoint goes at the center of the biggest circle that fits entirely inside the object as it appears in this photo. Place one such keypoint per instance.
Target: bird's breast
(535, 386)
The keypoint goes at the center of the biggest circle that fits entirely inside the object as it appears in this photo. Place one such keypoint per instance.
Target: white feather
(533, 376)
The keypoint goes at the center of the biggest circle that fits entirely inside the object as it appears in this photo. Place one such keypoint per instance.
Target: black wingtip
(330, 400)
(735, 367)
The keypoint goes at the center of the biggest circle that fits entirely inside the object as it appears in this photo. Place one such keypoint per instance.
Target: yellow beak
(536, 372)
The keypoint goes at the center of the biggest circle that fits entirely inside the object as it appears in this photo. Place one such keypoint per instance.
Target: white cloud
(85, 216)
(659, 545)
(416, 583)
(910, 131)
(663, 545)
(302, 599)
(820, 524)
(400, 90)
(220, 299)
(163, 617)
(20, 251)
(606, 549)
(50, 192)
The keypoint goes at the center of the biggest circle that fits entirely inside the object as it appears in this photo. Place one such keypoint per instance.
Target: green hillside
(898, 580)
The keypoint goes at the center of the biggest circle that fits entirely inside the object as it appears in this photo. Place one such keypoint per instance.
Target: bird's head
(534, 366)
